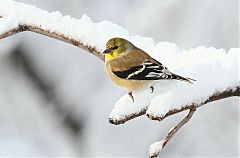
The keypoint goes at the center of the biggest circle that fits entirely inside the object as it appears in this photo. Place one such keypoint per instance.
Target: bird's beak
(107, 51)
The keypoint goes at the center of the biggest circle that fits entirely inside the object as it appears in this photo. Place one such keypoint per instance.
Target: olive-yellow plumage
(132, 68)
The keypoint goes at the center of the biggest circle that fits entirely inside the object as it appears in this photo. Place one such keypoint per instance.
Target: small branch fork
(192, 108)
(179, 125)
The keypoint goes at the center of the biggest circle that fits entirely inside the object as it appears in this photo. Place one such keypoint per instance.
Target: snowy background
(55, 100)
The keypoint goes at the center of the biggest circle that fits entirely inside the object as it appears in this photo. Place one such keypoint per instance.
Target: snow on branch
(127, 116)
(230, 92)
(216, 70)
(156, 147)
(17, 17)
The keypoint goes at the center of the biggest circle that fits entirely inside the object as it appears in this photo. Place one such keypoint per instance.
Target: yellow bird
(133, 69)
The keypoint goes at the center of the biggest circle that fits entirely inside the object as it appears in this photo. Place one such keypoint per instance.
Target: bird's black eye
(113, 48)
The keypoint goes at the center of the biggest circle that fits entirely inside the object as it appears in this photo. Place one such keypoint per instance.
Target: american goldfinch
(133, 69)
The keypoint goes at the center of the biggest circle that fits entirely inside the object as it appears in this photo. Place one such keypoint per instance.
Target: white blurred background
(55, 99)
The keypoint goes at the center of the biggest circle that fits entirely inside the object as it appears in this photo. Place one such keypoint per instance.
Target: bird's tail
(186, 79)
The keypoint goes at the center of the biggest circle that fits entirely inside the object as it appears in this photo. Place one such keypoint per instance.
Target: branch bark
(179, 125)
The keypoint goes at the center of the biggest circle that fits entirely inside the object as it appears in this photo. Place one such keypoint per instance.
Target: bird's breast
(130, 85)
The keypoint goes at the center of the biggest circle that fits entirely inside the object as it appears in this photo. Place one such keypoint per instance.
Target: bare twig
(179, 125)
(171, 133)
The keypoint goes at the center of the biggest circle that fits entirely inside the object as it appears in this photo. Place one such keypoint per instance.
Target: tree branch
(215, 97)
(58, 36)
(128, 117)
(231, 92)
(156, 148)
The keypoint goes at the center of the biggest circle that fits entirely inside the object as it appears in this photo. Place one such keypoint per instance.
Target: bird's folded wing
(146, 71)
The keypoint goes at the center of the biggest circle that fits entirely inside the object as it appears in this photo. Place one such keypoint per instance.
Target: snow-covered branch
(45, 31)
(17, 17)
(55, 35)
(128, 117)
(216, 70)
(156, 147)
(230, 92)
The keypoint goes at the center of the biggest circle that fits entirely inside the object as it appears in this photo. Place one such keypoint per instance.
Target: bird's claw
(152, 89)
(130, 95)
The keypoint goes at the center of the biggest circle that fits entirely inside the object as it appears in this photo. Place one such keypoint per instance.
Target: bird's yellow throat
(111, 56)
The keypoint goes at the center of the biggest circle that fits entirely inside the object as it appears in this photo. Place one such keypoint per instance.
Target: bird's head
(116, 48)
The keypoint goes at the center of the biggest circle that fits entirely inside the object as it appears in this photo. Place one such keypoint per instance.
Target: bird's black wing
(147, 71)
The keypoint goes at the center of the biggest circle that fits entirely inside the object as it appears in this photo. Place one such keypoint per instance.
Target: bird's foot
(130, 95)
(152, 89)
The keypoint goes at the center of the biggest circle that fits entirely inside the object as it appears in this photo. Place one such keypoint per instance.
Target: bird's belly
(130, 85)
(133, 85)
